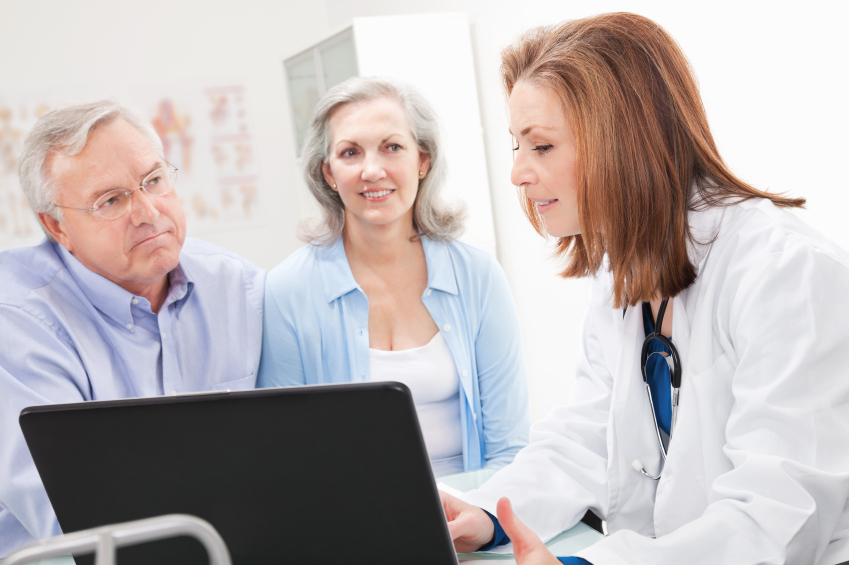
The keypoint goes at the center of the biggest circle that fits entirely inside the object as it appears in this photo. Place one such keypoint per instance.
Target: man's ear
(56, 229)
(328, 176)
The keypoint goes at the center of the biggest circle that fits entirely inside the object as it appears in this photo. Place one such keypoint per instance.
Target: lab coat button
(446, 327)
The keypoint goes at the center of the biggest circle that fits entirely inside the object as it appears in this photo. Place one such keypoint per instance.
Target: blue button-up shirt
(316, 331)
(68, 334)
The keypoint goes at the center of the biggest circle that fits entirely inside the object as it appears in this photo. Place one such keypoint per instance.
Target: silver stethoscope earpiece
(640, 468)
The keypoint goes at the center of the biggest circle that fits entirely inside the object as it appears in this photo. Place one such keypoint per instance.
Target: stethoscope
(674, 363)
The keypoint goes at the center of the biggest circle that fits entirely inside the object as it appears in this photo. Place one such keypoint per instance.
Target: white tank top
(430, 374)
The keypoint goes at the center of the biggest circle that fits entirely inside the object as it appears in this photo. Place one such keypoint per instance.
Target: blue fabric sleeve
(501, 538)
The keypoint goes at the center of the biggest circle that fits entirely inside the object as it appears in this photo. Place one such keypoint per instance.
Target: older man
(117, 303)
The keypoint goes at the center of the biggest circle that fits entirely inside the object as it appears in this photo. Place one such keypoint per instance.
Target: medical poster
(206, 133)
(18, 226)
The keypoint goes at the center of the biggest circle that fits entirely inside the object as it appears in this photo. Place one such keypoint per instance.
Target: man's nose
(142, 208)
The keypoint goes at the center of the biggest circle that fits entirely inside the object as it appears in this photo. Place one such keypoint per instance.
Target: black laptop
(332, 474)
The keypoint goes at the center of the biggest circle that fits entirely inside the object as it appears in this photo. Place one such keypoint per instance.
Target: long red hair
(646, 156)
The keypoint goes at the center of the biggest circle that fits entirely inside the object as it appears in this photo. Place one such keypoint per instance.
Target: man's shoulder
(26, 269)
(204, 257)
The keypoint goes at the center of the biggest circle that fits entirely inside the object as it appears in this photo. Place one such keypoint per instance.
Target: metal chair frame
(105, 540)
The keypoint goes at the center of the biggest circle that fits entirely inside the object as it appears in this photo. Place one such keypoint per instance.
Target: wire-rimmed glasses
(115, 203)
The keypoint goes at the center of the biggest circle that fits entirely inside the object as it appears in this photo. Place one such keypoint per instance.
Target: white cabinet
(433, 52)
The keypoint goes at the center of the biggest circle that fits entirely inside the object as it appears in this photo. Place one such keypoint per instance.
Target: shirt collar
(112, 300)
(440, 267)
(339, 280)
(704, 227)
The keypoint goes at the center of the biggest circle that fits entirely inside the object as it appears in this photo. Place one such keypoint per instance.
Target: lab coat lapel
(631, 434)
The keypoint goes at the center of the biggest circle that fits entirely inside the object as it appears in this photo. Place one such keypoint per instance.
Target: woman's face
(374, 163)
(544, 162)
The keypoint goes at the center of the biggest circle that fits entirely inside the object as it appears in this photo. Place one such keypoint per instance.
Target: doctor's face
(545, 157)
(135, 250)
(374, 163)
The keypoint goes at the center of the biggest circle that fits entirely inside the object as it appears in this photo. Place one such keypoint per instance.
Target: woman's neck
(377, 245)
(666, 324)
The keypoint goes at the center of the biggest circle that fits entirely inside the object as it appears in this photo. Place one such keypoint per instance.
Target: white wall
(99, 47)
(773, 81)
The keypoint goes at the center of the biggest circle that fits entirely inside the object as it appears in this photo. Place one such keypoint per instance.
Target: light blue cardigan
(315, 331)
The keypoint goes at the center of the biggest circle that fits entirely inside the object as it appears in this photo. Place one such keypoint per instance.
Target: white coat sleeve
(563, 471)
(787, 437)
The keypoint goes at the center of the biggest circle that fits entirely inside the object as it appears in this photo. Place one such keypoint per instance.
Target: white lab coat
(758, 469)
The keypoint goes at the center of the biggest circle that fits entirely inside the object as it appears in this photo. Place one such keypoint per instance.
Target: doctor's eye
(517, 147)
(543, 149)
(394, 147)
(350, 152)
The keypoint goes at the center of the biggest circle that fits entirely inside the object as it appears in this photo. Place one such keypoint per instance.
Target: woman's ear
(328, 176)
(424, 164)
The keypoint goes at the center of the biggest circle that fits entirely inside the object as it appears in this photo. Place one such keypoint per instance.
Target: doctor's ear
(328, 176)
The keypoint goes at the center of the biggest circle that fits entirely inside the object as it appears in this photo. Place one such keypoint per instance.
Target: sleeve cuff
(500, 538)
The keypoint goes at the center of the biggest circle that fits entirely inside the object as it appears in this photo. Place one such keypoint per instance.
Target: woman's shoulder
(467, 257)
(757, 229)
(299, 271)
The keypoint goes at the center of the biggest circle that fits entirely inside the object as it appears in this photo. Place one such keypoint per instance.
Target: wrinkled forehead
(115, 156)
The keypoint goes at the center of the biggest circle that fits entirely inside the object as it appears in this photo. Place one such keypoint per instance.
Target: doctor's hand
(527, 547)
(470, 527)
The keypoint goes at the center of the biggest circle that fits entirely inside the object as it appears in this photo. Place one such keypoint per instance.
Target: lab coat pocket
(245, 383)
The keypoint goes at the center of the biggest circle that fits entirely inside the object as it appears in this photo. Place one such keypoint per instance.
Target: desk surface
(565, 544)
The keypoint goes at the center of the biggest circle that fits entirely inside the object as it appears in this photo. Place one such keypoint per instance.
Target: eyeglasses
(668, 367)
(115, 203)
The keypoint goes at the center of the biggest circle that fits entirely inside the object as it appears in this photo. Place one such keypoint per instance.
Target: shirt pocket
(245, 383)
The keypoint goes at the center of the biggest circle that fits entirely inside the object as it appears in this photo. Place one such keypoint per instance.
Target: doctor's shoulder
(757, 231)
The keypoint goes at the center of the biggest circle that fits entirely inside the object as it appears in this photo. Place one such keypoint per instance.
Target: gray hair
(65, 131)
(431, 215)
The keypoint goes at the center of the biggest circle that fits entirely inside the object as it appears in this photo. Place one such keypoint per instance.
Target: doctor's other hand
(469, 526)
(528, 549)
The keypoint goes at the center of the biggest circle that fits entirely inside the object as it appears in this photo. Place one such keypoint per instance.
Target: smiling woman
(383, 291)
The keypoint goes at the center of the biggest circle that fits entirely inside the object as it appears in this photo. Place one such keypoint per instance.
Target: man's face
(136, 250)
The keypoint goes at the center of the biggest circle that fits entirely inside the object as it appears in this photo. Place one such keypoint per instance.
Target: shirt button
(465, 372)
(446, 327)
(475, 417)
(429, 291)
(173, 393)
(135, 301)
(164, 335)
(129, 326)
